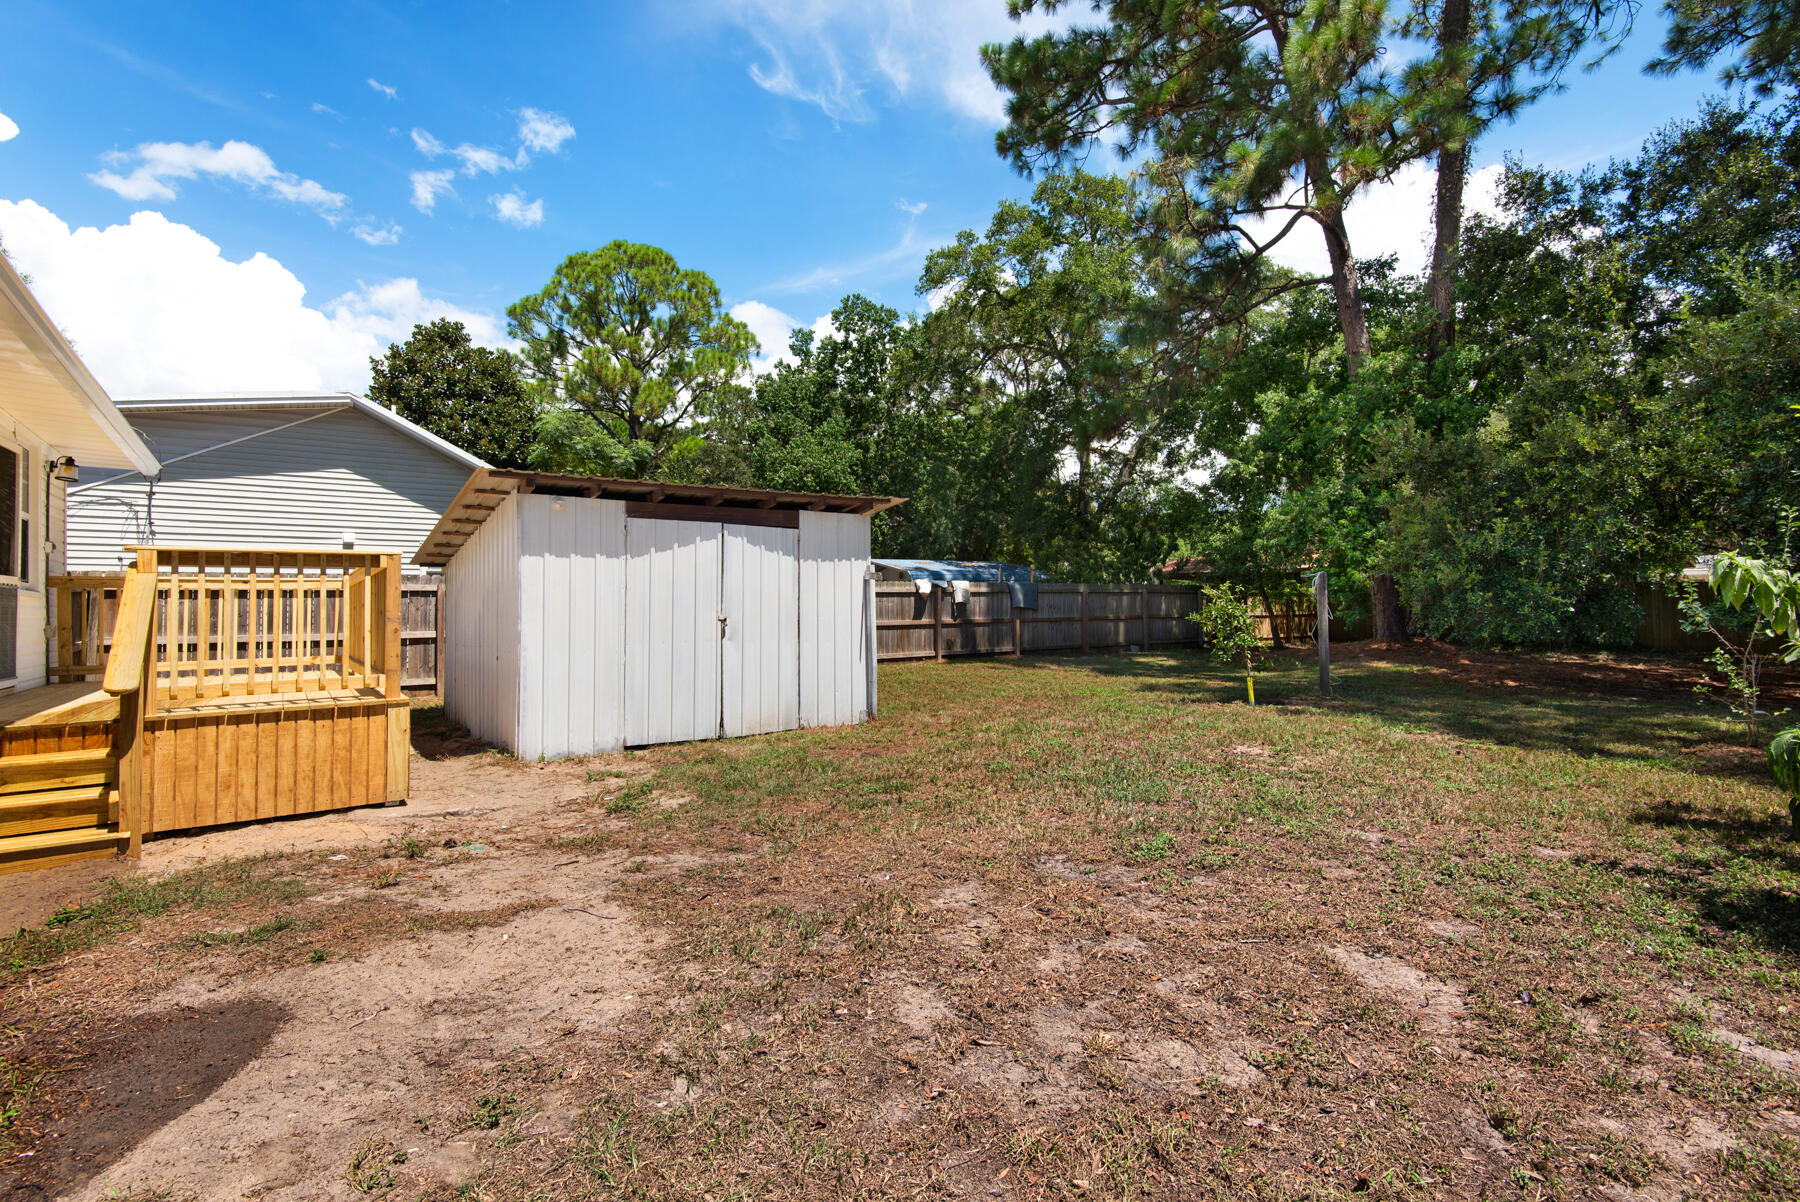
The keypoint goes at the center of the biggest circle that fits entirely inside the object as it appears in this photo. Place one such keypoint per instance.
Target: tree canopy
(468, 395)
(628, 353)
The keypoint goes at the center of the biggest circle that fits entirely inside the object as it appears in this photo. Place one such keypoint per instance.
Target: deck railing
(233, 622)
(84, 608)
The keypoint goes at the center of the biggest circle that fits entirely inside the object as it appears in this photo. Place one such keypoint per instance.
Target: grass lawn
(1093, 927)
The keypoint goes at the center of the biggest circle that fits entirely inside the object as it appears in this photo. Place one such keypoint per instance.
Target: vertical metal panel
(572, 626)
(835, 631)
(671, 630)
(761, 645)
(481, 602)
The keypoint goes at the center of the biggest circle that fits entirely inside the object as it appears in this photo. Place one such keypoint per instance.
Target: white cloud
(773, 330)
(512, 208)
(154, 308)
(325, 110)
(905, 255)
(1392, 218)
(156, 166)
(376, 235)
(427, 186)
(390, 93)
(541, 131)
(475, 160)
(835, 55)
(9, 129)
(914, 207)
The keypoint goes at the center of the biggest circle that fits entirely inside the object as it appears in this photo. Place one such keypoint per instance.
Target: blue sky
(278, 230)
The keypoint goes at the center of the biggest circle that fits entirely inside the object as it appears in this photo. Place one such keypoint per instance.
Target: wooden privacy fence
(1068, 617)
(245, 618)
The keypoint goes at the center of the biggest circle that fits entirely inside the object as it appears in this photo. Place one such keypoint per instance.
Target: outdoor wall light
(64, 470)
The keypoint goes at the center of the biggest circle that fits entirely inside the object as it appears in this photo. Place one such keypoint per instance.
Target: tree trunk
(1346, 286)
(1384, 601)
(1453, 165)
(1452, 170)
(1274, 626)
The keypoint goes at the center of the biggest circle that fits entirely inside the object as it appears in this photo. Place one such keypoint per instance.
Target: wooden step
(56, 770)
(58, 810)
(21, 853)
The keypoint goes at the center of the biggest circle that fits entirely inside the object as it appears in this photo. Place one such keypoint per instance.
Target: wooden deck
(57, 705)
(238, 685)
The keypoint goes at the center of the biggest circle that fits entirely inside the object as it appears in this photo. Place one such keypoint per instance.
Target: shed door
(761, 648)
(672, 625)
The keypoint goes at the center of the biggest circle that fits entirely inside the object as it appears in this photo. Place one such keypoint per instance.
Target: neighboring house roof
(45, 387)
(298, 470)
(304, 400)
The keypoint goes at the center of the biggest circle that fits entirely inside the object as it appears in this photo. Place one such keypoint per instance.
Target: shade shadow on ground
(112, 1093)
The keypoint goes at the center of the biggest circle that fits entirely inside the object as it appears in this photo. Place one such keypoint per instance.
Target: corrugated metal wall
(481, 616)
(572, 626)
(836, 619)
(304, 486)
(760, 648)
(671, 631)
(572, 629)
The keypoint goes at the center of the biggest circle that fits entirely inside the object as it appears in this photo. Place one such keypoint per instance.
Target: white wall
(834, 623)
(481, 629)
(573, 630)
(571, 626)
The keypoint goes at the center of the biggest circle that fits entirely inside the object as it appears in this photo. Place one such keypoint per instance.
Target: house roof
(488, 487)
(48, 391)
(301, 401)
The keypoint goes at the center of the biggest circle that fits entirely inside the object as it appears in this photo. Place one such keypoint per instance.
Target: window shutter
(9, 512)
(9, 631)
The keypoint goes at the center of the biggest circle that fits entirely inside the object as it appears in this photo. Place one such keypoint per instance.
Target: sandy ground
(296, 1070)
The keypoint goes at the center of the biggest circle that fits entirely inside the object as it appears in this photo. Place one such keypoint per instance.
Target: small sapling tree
(1230, 630)
(1774, 591)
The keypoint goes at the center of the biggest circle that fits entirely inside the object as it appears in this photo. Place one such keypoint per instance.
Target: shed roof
(488, 487)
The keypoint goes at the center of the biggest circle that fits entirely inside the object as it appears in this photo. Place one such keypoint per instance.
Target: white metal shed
(585, 614)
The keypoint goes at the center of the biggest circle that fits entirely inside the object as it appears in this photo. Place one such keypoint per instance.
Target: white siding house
(281, 471)
(55, 420)
(585, 615)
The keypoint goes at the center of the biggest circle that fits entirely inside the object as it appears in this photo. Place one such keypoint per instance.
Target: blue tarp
(945, 571)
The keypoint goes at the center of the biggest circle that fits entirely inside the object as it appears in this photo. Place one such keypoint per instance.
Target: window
(9, 512)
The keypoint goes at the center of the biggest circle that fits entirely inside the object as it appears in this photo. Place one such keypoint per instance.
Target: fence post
(1018, 626)
(1086, 646)
(1144, 612)
(440, 595)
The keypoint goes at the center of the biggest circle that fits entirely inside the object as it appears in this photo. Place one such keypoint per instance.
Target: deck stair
(59, 777)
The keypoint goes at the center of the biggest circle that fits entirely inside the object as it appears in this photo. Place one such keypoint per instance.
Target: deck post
(390, 625)
(130, 756)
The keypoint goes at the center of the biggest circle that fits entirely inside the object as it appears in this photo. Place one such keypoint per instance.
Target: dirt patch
(1775, 1058)
(1435, 1004)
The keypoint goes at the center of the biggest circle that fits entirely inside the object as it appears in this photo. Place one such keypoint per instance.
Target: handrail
(131, 634)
